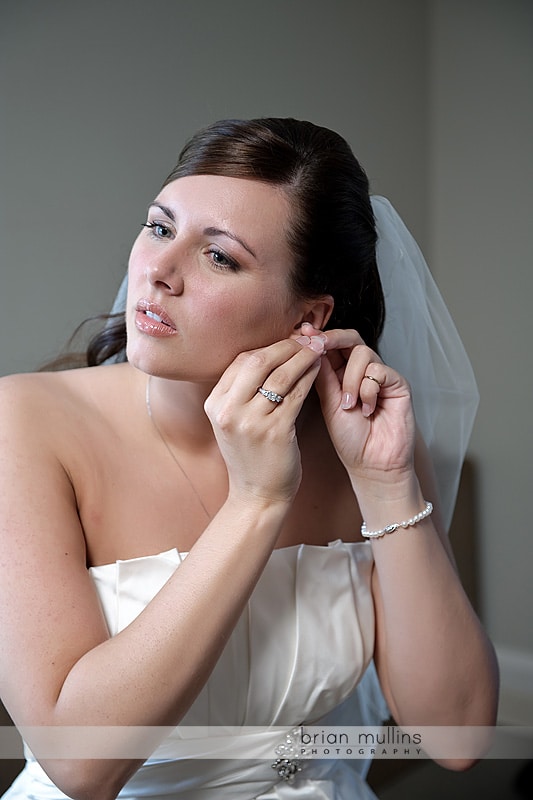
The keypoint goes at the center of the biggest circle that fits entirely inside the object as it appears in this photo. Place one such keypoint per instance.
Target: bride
(239, 525)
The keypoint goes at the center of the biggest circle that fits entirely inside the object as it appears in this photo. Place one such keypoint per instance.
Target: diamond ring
(272, 396)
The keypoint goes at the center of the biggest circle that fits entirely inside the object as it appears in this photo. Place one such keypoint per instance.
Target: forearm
(150, 673)
(432, 652)
(175, 642)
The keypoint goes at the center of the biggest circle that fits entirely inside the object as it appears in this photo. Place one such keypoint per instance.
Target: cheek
(255, 321)
(135, 260)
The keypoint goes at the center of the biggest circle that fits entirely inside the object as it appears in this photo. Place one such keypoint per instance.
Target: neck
(179, 409)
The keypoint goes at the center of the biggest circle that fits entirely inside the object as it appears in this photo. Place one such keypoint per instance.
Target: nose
(164, 273)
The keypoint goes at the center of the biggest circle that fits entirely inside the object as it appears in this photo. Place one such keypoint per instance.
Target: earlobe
(317, 313)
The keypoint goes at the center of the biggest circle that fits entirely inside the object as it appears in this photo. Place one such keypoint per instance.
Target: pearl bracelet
(395, 525)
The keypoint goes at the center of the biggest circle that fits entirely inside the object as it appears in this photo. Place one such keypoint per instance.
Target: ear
(317, 312)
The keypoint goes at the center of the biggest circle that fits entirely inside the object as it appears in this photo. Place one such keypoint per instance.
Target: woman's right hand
(257, 436)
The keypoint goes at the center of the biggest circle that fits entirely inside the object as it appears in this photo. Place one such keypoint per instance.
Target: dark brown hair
(332, 230)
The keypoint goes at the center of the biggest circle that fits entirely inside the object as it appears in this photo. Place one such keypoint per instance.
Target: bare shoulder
(28, 405)
(43, 404)
(47, 423)
(23, 395)
(33, 388)
(43, 560)
(18, 392)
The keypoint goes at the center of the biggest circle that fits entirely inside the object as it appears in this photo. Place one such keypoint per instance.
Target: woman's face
(209, 277)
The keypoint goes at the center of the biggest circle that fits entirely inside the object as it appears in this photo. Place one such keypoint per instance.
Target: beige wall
(433, 96)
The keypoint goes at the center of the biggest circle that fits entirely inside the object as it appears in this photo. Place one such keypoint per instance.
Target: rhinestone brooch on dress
(288, 764)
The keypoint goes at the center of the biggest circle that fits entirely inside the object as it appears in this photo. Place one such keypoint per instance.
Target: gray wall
(481, 223)
(434, 97)
(98, 98)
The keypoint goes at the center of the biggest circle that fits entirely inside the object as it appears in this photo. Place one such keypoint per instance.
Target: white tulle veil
(421, 342)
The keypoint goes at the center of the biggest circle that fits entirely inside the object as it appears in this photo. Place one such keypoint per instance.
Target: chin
(161, 366)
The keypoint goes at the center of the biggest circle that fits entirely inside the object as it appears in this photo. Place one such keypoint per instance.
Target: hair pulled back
(332, 233)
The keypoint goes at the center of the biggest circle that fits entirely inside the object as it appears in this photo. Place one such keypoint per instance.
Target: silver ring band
(272, 396)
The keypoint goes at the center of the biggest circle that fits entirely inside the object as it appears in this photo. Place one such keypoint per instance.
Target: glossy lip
(164, 326)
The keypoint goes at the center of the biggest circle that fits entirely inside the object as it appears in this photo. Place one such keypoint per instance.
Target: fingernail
(316, 343)
(366, 410)
(347, 401)
(310, 327)
(303, 340)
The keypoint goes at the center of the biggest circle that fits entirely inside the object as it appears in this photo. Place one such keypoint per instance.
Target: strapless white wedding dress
(301, 653)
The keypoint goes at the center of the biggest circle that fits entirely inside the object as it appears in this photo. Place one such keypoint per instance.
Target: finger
(252, 369)
(339, 344)
(335, 339)
(363, 361)
(328, 386)
(337, 393)
(370, 388)
(260, 360)
(292, 397)
(293, 379)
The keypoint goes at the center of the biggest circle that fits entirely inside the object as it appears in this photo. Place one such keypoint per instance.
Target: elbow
(457, 748)
(457, 764)
(459, 745)
(87, 779)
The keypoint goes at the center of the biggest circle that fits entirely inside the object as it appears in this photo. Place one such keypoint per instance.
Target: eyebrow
(165, 209)
(211, 231)
(230, 235)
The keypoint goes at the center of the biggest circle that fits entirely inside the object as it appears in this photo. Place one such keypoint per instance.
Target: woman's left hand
(367, 409)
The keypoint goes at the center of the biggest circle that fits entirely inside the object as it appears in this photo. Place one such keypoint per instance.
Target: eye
(221, 261)
(158, 230)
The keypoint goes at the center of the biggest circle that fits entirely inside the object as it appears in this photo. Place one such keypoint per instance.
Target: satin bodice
(300, 654)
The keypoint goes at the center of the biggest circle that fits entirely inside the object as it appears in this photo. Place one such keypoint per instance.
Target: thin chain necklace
(170, 451)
